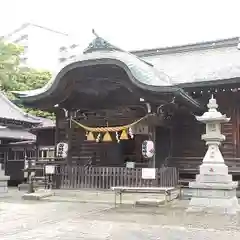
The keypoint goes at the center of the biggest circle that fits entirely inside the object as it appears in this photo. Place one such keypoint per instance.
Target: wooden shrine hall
(107, 101)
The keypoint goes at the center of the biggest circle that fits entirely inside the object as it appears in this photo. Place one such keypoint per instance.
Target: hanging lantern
(90, 137)
(124, 135)
(107, 137)
(148, 149)
(62, 150)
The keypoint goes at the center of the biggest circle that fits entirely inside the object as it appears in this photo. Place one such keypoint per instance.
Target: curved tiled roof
(19, 134)
(45, 124)
(141, 73)
(198, 63)
(12, 112)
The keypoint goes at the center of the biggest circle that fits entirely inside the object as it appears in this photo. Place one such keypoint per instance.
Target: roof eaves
(26, 117)
(10, 133)
(180, 92)
(25, 142)
(49, 29)
(188, 47)
(212, 83)
(25, 25)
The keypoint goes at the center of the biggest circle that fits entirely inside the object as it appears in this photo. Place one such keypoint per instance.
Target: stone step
(38, 195)
(151, 202)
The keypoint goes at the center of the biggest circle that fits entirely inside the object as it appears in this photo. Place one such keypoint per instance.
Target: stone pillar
(213, 190)
(3, 181)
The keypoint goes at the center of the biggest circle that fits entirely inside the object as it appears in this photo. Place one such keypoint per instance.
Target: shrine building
(107, 101)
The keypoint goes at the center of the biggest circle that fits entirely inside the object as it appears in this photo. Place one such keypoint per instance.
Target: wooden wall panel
(186, 137)
(61, 127)
(46, 137)
(187, 131)
(227, 105)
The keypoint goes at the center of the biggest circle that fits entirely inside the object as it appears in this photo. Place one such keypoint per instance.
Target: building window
(62, 49)
(73, 46)
(19, 155)
(23, 37)
(46, 153)
(62, 60)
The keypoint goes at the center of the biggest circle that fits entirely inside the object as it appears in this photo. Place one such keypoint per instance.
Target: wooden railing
(77, 177)
(191, 164)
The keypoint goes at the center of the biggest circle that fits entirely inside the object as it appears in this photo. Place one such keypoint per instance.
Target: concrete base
(214, 205)
(38, 195)
(23, 187)
(213, 197)
(173, 194)
(151, 202)
(186, 193)
(3, 186)
(3, 181)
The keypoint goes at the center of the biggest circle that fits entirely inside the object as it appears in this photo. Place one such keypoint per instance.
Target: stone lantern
(213, 189)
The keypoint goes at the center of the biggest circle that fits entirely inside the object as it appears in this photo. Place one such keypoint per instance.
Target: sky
(129, 24)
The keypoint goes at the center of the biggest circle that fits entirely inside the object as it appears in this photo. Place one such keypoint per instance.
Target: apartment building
(43, 47)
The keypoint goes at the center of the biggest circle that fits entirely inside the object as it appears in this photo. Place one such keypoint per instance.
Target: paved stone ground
(42, 220)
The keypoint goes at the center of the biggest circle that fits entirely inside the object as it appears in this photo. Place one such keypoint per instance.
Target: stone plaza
(66, 217)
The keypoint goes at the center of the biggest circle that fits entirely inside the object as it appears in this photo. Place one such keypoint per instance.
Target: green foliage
(9, 62)
(29, 79)
(15, 78)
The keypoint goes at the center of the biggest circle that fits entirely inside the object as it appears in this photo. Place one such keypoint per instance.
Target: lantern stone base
(3, 181)
(214, 193)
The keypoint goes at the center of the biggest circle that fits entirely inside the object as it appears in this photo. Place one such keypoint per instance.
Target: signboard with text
(148, 173)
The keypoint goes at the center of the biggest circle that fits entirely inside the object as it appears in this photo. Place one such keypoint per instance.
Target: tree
(9, 62)
(28, 79)
(15, 78)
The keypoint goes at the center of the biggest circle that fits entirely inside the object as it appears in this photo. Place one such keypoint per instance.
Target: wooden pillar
(69, 137)
(56, 130)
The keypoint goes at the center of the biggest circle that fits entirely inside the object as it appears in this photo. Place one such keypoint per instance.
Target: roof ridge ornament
(94, 33)
(99, 44)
